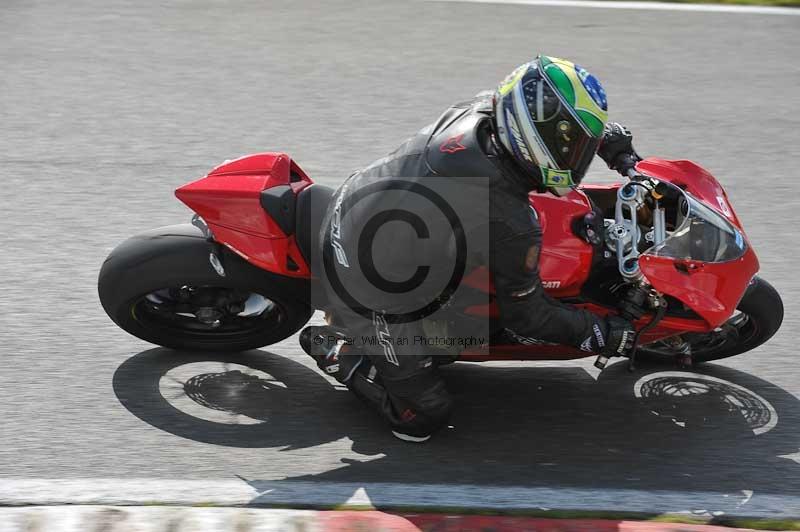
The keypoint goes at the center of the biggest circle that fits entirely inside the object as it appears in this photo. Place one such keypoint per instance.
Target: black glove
(616, 148)
(614, 338)
(590, 227)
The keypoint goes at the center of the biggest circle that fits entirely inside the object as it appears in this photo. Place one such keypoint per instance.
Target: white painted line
(308, 494)
(651, 6)
(155, 519)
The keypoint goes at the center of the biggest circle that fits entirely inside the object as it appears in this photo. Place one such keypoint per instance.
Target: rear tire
(179, 256)
(760, 316)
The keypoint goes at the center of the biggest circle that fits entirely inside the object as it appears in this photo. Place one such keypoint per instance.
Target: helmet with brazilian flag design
(550, 115)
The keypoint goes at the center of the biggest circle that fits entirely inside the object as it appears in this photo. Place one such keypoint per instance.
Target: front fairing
(712, 290)
(707, 261)
(693, 179)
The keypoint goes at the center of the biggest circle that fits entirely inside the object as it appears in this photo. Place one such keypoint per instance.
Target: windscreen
(702, 234)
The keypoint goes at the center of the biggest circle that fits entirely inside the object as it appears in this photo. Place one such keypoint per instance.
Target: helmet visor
(565, 142)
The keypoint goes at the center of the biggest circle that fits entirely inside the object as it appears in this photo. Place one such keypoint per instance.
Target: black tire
(176, 256)
(760, 316)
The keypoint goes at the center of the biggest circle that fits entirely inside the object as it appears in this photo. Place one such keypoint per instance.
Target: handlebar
(626, 164)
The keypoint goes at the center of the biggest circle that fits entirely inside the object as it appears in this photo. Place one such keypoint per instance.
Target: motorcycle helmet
(549, 116)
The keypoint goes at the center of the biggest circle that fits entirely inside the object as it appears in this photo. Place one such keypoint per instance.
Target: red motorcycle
(665, 249)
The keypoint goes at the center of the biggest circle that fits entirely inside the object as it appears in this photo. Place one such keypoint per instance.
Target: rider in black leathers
(401, 381)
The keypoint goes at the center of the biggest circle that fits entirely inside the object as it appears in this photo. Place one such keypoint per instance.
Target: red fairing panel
(565, 260)
(694, 179)
(711, 289)
(229, 200)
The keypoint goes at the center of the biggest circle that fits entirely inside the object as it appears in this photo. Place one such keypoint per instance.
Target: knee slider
(425, 412)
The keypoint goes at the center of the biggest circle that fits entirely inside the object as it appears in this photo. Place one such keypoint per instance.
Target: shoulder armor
(454, 148)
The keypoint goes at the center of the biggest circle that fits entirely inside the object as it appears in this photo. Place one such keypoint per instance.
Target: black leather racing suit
(404, 384)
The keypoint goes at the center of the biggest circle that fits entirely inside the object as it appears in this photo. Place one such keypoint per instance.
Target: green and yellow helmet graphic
(550, 115)
(580, 90)
(512, 79)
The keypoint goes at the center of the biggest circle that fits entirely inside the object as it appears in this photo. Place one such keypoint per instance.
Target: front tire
(760, 314)
(162, 287)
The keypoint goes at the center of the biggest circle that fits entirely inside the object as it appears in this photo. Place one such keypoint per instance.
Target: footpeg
(684, 360)
(683, 355)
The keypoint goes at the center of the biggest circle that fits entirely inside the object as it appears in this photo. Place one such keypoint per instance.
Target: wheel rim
(208, 312)
(738, 331)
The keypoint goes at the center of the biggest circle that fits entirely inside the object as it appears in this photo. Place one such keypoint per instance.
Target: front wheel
(163, 287)
(759, 316)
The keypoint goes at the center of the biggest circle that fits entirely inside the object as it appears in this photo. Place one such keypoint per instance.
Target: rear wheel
(759, 316)
(211, 317)
(162, 287)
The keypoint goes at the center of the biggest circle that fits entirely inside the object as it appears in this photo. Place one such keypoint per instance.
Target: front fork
(638, 300)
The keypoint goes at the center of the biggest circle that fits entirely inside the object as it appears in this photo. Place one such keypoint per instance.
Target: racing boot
(332, 351)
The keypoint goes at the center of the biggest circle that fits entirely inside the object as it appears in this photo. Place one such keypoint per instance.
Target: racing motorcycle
(664, 249)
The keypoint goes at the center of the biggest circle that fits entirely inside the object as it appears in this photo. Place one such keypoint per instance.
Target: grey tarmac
(107, 107)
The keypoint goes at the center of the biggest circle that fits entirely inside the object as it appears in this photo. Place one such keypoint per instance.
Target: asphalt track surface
(106, 107)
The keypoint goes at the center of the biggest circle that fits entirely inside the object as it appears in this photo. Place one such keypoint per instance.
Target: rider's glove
(616, 148)
(619, 337)
(613, 337)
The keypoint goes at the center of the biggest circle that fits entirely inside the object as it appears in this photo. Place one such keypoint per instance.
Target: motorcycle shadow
(712, 428)
(249, 399)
